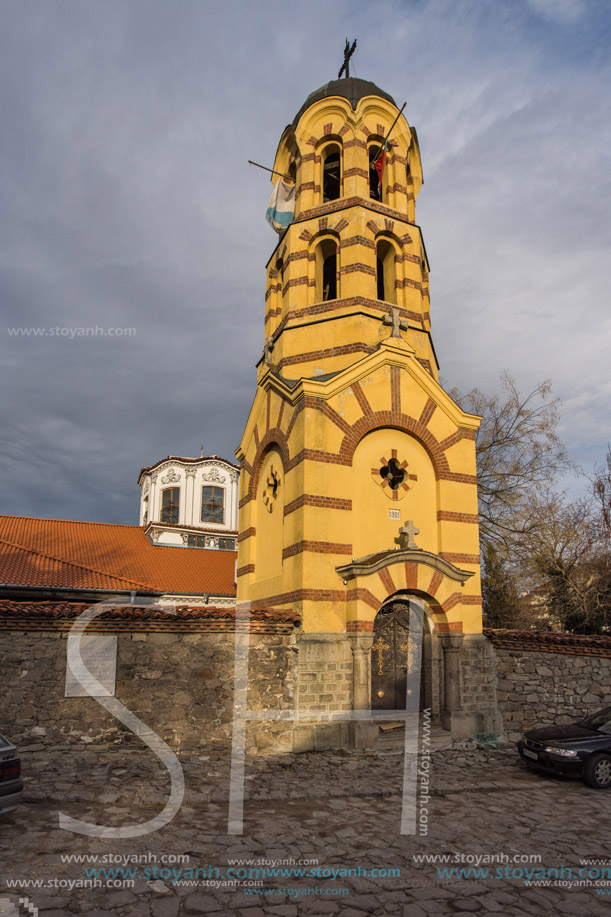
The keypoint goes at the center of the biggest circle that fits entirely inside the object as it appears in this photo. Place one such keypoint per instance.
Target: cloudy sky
(126, 202)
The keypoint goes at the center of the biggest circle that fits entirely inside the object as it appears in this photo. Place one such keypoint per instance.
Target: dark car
(11, 785)
(581, 749)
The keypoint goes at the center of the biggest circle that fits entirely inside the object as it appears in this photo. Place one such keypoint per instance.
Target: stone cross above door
(406, 537)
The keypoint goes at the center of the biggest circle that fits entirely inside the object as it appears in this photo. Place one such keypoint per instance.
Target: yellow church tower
(358, 492)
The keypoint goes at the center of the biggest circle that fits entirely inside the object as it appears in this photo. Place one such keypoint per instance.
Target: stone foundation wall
(478, 685)
(179, 684)
(549, 679)
(324, 674)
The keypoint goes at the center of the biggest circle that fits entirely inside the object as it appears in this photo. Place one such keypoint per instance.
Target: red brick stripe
(451, 627)
(459, 478)
(436, 581)
(316, 547)
(247, 533)
(346, 203)
(296, 412)
(361, 398)
(362, 173)
(460, 558)
(247, 568)
(325, 354)
(427, 412)
(301, 595)
(451, 601)
(363, 595)
(395, 389)
(358, 268)
(319, 501)
(357, 240)
(444, 515)
(361, 144)
(411, 575)
(329, 412)
(387, 580)
(359, 627)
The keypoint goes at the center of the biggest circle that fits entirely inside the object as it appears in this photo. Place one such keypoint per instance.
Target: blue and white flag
(281, 208)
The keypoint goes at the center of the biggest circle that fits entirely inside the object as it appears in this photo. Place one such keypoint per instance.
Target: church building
(349, 526)
(191, 502)
(358, 489)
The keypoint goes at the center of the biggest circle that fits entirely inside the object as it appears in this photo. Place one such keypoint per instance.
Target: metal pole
(273, 171)
(387, 134)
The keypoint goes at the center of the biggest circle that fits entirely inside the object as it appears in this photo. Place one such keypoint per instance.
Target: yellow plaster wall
(327, 441)
(373, 528)
(270, 517)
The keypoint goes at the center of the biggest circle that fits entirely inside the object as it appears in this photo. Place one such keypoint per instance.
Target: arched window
(326, 270)
(375, 185)
(331, 172)
(385, 271)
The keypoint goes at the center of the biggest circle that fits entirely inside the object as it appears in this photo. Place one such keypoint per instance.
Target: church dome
(351, 88)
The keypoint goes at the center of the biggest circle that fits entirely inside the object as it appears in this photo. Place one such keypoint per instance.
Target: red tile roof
(97, 555)
(39, 616)
(44, 609)
(549, 641)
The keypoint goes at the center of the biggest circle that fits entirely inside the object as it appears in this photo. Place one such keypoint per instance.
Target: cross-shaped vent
(393, 473)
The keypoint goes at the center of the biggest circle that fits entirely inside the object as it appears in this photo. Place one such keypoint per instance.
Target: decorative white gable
(191, 502)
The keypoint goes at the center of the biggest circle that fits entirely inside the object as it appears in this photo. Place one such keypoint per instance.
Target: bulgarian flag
(379, 164)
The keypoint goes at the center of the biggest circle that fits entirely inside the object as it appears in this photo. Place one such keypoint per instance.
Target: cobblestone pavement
(337, 811)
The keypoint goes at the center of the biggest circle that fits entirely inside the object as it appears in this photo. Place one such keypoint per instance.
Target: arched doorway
(397, 656)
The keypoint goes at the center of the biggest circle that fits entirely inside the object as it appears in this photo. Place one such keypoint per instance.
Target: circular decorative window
(270, 490)
(393, 477)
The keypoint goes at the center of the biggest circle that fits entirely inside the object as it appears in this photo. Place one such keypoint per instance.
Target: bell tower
(354, 254)
(358, 480)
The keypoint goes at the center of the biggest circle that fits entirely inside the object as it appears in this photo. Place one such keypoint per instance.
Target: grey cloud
(126, 200)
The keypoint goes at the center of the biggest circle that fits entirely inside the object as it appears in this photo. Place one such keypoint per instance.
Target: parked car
(582, 749)
(11, 785)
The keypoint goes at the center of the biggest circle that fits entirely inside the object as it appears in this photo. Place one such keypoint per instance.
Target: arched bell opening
(376, 165)
(386, 274)
(326, 270)
(331, 158)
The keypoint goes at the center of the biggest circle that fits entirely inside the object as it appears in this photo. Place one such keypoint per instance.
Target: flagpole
(387, 135)
(273, 171)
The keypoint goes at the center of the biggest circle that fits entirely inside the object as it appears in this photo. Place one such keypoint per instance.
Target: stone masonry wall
(324, 685)
(478, 677)
(537, 686)
(179, 684)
